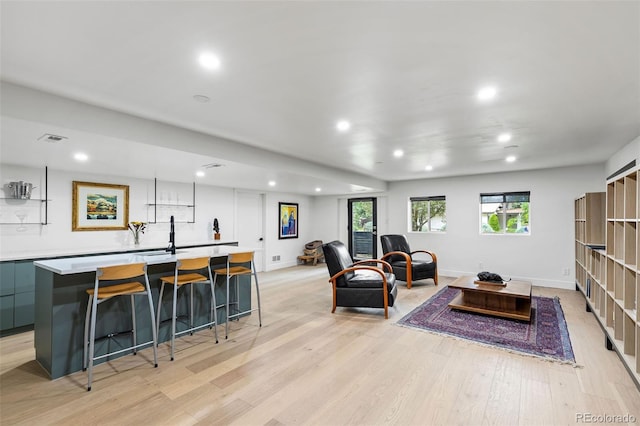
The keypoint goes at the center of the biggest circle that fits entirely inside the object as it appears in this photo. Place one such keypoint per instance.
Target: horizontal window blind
(434, 198)
(506, 197)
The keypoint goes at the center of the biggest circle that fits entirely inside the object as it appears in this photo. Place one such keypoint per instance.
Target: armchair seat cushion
(370, 279)
(419, 266)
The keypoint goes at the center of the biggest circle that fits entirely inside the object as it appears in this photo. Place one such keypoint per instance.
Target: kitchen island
(61, 303)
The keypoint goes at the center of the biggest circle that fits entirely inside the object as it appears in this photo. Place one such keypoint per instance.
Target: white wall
(57, 235)
(621, 158)
(56, 238)
(287, 249)
(540, 257)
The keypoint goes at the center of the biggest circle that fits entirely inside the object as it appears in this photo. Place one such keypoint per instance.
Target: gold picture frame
(99, 207)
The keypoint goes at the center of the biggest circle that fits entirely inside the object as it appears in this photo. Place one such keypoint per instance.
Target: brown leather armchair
(405, 267)
(359, 284)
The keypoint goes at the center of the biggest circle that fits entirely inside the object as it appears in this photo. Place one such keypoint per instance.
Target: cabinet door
(25, 277)
(23, 312)
(6, 312)
(7, 278)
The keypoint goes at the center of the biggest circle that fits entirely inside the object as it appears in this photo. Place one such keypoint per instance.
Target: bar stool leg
(92, 337)
(214, 310)
(153, 328)
(133, 325)
(85, 351)
(191, 308)
(255, 276)
(226, 323)
(237, 302)
(173, 318)
(157, 327)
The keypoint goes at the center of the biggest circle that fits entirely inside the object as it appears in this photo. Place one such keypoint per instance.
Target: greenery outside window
(505, 213)
(428, 214)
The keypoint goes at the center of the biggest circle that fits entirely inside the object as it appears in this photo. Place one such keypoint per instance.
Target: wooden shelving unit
(610, 279)
(590, 233)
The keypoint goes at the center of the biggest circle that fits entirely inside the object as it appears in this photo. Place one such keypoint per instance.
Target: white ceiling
(405, 74)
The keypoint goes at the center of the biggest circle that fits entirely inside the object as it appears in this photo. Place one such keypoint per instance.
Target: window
(505, 213)
(428, 214)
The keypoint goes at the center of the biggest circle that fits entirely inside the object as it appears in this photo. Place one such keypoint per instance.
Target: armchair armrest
(407, 257)
(430, 253)
(384, 264)
(357, 268)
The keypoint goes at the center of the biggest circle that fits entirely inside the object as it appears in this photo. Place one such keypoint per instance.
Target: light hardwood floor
(308, 366)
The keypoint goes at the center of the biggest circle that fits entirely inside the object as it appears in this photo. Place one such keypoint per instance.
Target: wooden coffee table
(510, 301)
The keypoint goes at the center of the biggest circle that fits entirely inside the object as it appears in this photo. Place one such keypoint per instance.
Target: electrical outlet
(566, 272)
(275, 258)
(480, 266)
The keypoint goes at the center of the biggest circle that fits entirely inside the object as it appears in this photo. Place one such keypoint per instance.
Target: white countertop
(75, 265)
(39, 253)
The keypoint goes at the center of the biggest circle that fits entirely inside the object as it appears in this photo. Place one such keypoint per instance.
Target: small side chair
(185, 274)
(236, 267)
(407, 268)
(108, 285)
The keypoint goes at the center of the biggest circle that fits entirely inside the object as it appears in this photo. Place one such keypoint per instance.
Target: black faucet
(172, 238)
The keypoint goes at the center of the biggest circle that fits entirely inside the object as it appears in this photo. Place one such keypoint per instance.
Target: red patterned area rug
(546, 336)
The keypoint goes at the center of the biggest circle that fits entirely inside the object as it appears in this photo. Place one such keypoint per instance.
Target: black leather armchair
(359, 284)
(405, 267)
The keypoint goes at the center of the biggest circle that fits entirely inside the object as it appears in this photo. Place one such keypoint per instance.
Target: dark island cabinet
(17, 294)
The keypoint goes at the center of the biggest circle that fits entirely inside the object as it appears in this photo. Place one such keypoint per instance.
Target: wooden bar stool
(184, 274)
(236, 267)
(105, 289)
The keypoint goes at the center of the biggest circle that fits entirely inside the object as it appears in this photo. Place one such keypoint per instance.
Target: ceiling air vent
(212, 165)
(48, 137)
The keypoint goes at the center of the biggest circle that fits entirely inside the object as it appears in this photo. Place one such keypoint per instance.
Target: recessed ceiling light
(510, 159)
(343, 125)
(209, 61)
(318, 189)
(272, 183)
(201, 98)
(200, 173)
(429, 168)
(398, 153)
(504, 137)
(487, 93)
(80, 156)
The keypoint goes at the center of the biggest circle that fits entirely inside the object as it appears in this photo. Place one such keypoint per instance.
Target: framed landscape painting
(99, 207)
(288, 225)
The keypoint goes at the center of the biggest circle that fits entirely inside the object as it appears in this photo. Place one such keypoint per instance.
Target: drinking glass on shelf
(22, 215)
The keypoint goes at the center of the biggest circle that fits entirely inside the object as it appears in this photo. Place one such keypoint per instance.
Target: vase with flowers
(137, 228)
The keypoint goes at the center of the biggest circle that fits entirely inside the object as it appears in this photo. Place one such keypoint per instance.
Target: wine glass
(22, 215)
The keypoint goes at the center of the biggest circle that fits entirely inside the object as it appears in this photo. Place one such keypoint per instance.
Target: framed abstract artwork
(288, 220)
(99, 207)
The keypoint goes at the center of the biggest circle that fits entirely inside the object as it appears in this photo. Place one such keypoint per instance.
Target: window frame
(429, 199)
(507, 197)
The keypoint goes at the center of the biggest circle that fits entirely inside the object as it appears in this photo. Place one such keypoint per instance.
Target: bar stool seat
(184, 275)
(104, 289)
(236, 266)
